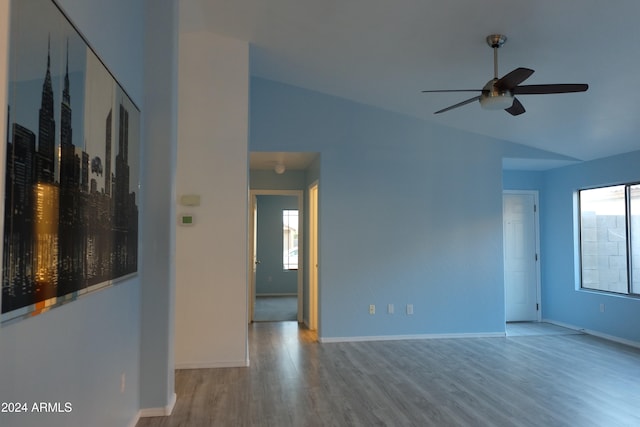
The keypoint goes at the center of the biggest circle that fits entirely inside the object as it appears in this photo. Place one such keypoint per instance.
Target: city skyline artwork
(71, 170)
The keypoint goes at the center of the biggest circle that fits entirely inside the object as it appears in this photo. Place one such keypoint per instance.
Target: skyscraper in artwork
(46, 129)
(70, 262)
(107, 159)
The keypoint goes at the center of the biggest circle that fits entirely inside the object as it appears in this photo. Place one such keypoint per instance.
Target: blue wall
(271, 279)
(562, 300)
(410, 212)
(522, 180)
(78, 352)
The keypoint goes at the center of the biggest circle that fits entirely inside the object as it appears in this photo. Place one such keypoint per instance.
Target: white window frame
(631, 291)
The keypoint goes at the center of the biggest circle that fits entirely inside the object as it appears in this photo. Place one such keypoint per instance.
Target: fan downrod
(495, 41)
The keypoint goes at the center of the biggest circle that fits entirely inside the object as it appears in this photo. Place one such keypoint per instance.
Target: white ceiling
(384, 52)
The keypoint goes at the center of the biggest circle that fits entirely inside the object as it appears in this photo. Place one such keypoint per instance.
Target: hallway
(275, 309)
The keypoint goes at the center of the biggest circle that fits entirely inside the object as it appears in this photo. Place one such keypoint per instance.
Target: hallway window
(610, 238)
(290, 239)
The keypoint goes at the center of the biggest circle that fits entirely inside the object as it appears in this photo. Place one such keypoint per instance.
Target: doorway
(521, 256)
(276, 244)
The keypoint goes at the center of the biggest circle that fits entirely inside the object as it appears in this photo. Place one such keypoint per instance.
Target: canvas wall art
(71, 170)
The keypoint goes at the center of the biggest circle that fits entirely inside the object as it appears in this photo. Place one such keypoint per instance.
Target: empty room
(453, 193)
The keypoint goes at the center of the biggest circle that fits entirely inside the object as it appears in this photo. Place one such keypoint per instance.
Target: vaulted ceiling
(383, 53)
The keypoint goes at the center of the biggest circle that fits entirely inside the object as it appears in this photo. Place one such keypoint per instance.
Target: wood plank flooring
(275, 309)
(527, 380)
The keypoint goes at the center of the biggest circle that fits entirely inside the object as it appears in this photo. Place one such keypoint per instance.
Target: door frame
(536, 236)
(313, 192)
(252, 249)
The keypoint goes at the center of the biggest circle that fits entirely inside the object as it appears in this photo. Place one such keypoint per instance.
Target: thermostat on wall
(190, 200)
(187, 219)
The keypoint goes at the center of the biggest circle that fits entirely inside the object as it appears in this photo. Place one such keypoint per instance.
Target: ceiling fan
(499, 93)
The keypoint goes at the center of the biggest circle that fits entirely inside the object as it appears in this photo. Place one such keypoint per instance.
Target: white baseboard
(595, 333)
(135, 420)
(159, 412)
(411, 337)
(213, 364)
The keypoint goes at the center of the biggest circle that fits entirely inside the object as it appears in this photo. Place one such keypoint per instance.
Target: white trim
(159, 412)
(607, 337)
(135, 420)
(312, 271)
(213, 364)
(411, 337)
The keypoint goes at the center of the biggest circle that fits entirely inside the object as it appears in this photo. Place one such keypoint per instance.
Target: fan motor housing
(494, 99)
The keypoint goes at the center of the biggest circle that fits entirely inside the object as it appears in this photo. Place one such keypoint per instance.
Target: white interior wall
(211, 255)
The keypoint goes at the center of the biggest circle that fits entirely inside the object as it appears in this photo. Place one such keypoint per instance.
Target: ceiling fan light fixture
(497, 102)
(498, 93)
(279, 168)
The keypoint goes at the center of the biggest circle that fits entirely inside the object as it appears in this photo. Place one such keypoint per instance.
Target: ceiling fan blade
(544, 89)
(514, 78)
(452, 90)
(459, 104)
(516, 108)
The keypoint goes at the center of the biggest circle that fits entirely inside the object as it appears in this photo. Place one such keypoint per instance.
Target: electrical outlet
(123, 382)
(409, 309)
(372, 309)
(601, 308)
(390, 308)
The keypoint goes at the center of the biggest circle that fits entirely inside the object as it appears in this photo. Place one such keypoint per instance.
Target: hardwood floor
(275, 309)
(527, 380)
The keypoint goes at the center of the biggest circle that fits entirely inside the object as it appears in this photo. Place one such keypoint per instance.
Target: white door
(520, 257)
